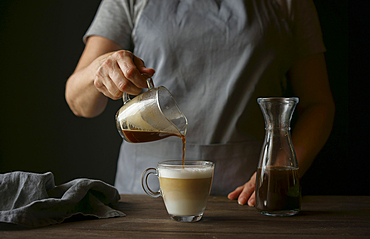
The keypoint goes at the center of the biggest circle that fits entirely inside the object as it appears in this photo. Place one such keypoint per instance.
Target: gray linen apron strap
(216, 58)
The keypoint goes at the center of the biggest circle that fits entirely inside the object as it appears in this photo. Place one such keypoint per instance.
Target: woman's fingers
(121, 72)
(252, 199)
(235, 194)
(245, 194)
(125, 61)
(122, 83)
(141, 67)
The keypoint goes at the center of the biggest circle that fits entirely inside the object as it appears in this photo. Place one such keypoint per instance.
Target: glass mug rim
(179, 163)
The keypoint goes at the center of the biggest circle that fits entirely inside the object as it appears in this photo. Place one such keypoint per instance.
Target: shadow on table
(12, 227)
(311, 213)
(122, 206)
(358, 212)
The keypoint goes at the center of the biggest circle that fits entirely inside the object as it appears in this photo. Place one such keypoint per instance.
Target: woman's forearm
(311, 131)
(81, 94)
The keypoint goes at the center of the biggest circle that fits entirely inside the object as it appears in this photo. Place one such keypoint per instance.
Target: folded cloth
(33, 200)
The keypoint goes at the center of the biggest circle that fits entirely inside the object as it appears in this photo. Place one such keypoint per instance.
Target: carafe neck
(277, 112)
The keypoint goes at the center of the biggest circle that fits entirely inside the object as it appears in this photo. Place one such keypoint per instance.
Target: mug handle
(149, 82)
(144, 182)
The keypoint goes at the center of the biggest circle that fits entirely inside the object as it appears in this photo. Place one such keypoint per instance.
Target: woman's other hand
(245, 193)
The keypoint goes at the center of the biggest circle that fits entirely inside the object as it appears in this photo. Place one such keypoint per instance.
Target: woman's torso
(216, 58)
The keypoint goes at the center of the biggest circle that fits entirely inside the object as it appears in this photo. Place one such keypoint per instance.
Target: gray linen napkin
(33, 200)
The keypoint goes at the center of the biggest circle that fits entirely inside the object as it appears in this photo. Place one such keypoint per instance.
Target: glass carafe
(277, 182)
(150, 116)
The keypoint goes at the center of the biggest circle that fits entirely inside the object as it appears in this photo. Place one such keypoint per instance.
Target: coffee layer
(185, 197)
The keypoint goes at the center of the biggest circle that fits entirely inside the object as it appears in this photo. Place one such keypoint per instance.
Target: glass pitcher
(277, 183)
(150, 116)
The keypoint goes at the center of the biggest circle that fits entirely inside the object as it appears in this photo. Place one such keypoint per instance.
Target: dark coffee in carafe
(277, 189)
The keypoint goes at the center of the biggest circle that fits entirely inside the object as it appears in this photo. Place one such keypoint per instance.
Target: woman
(216, 57)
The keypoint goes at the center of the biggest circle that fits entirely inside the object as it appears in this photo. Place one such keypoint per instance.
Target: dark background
(40, 44)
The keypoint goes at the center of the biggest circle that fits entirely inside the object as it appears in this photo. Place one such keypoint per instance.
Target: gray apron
(216, 58)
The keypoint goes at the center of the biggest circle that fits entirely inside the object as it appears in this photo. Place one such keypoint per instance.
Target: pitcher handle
(149, 82)
(144, 182)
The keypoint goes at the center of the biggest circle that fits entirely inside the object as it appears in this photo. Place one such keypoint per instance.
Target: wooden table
(321, 217)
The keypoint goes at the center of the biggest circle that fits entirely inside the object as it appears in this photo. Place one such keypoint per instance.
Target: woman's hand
(104, 71)
(121, 71)
(245, 193)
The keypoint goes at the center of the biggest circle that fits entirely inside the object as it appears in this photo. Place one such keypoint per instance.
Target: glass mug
(150, 116)
(184, 187)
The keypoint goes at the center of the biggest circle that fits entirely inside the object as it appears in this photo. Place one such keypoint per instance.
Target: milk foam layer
(189, 172)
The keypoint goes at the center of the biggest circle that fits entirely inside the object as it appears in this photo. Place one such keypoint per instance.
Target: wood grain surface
(146, 217)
